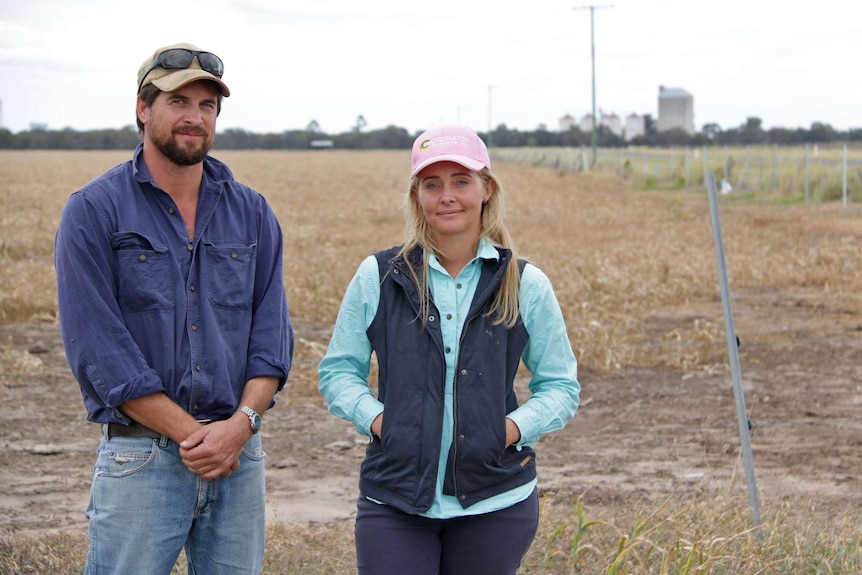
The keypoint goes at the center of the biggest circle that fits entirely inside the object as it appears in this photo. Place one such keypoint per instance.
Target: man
(175, 323)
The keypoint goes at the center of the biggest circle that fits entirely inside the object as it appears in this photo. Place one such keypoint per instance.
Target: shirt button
(448, 316)
(198, 367)
(171, 210)
(192, 287)
(142, 258)
(430, 318)
(233, 255)
(458, 286)
(463, 372)
(448, 349)
(189, 247)
(194, 327)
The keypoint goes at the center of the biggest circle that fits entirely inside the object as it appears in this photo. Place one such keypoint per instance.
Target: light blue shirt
(548, 356)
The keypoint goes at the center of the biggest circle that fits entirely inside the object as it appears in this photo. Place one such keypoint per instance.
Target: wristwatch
(253, 417)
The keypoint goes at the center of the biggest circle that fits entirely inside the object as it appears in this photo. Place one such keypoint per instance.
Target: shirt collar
(487, 250)
(214, 170)
(484, 251)
(140, 170)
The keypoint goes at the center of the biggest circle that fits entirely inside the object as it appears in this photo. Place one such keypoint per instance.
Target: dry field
(653, 453)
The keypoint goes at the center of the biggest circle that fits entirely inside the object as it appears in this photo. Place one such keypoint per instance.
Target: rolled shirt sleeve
(105, 359)
(271, 341)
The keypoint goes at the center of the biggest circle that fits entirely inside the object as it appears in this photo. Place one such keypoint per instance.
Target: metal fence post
(670, 170)
(687, 168)
(844, 179)
(774, 168)
(733, 352)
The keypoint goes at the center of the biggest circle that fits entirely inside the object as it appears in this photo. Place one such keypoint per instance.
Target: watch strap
(253, 417)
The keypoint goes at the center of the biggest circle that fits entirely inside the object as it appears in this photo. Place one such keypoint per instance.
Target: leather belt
(134, 429)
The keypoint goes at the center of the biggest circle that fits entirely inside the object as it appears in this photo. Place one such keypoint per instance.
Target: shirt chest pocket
(229, 274)
(145, 283)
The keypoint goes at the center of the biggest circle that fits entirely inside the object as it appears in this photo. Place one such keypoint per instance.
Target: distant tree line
(393, 137)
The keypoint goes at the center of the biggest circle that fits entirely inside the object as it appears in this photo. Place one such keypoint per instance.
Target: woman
(448, 484)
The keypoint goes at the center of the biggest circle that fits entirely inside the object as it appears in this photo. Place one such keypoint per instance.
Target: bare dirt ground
(640, 434)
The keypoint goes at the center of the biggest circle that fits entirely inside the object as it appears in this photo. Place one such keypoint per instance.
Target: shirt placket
(194, 330)
(453, 298)
(199, 392)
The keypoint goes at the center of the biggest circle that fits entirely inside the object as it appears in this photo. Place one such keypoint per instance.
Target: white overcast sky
(73, 63)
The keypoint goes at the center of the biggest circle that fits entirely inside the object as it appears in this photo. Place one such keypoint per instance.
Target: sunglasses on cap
(182, 58)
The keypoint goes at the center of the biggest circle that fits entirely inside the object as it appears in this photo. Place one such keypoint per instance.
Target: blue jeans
(146, 506)
(391, 542)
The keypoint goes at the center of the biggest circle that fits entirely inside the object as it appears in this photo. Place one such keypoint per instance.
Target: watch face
(253, 417)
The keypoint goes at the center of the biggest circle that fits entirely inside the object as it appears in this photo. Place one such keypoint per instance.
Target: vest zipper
(456, 434)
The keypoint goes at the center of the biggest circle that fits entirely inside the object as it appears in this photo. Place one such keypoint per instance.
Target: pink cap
(458, 144)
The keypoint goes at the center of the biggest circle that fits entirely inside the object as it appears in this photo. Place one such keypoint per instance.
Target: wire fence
(810, 173)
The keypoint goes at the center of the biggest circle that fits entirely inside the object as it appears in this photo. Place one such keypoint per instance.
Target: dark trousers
(391, 542)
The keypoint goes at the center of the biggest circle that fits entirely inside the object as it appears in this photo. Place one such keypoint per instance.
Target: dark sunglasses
(181, 58)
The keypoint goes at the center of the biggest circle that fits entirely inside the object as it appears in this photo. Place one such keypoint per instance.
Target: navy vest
(401, 468)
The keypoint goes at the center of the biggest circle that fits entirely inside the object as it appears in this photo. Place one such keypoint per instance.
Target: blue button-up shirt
(548, 356)
(144, 310)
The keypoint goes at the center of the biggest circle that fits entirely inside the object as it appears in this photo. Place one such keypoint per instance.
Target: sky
(73, 63)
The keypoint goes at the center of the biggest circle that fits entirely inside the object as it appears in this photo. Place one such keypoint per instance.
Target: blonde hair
(504, 309)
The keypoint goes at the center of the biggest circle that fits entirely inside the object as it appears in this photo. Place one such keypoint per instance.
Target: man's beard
(183, 156)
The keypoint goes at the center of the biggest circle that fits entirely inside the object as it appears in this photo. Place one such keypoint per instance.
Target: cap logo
(442, 141)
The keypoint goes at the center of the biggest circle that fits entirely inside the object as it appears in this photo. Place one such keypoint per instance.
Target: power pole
(592, 9)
